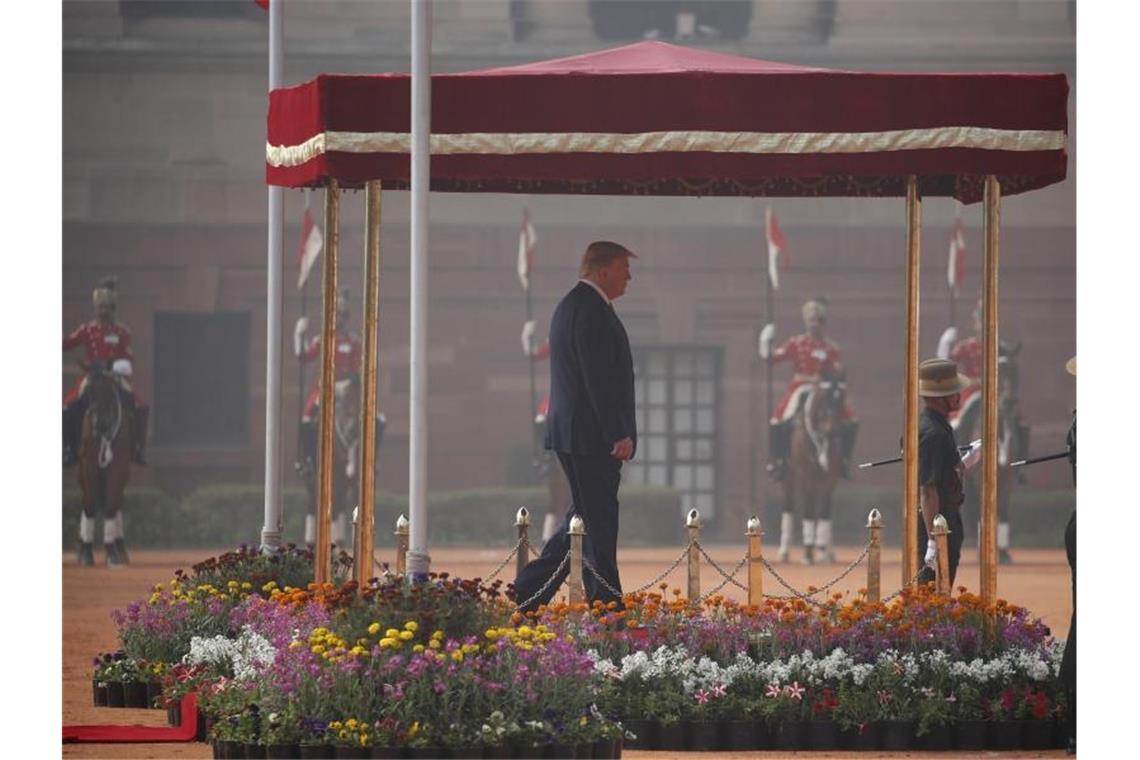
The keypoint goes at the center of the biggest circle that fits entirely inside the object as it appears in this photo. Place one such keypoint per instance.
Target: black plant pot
(115, 694)
(938, 738)
(352, 753)
(317, 752)
(1060, 733)
(428, 753)
(558, 750)
(865, 738)
(154, 694)
(790, 735)
(738, 735)
(1005, 735)
(1038, 734)
(254, 751)
(970, 735)
(386, 753)
(230, 750)
(583, 751)
(604, 749)
(671, 737)
(822, 735)
(898, 735)
(134, 694)
(282, 751)
(704, 735)
(643, 730)
(497, 752)
(99, 693)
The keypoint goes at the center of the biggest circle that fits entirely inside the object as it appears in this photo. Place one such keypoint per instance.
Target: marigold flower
(374, 629)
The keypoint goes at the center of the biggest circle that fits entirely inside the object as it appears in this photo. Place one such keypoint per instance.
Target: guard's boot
(120, 543)
(777, 450)
(307, 456)
(847, 432)
(787, 524)
(86, 540)
(1004, 557)
(72, 417)
(809, 542)
(141, 417)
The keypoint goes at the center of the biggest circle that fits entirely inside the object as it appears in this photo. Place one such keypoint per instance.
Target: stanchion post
(323, 550)
(356, 539)
(987, 545)
(941, 533)
(755, 538)
(522, 523)
(693, 526)
(577, 534)
(401, 545)
(874, 557)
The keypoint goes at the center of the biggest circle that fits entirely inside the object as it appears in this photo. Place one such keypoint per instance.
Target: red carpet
(139, 734)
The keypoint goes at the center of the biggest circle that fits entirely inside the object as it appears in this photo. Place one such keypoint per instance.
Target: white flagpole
(418, 559)
(271, 530)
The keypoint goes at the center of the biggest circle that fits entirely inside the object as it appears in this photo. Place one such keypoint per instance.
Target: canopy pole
(419, 561)
(323, 553)
(275, 283)
(910, 406)
(372, 198)
(988, 548)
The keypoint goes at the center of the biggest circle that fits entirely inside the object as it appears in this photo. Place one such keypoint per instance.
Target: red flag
(263, 3)
(310, 250)
(956, 264)
(527, 240)
(777, 247)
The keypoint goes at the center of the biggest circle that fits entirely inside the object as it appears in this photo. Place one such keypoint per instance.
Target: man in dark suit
(591, 424)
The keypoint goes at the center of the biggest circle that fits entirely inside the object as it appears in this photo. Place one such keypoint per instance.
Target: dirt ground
(1038, 580)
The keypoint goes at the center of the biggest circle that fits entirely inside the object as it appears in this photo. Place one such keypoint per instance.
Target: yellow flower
(391, 633)
(374, 629)
(418, 648)
(317, 649)
(246, 585)
(492, 634)
(437, 635)
(335, 725)
(406, 635)
(358, 650)
(387, 643)
(296, 643)
(412, 626)
(434, 644)
(457, 655)
(351, 723)
(269, 587)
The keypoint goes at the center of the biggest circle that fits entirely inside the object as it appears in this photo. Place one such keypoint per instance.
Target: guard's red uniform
(809, 357)
(346, 362)
(968, 354)
(102, 342)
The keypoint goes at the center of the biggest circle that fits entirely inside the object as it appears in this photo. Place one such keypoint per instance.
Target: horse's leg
(787, 517)
(809, 498)
(823, 551)
(88, 482)
(1003, 486)
(114, 484)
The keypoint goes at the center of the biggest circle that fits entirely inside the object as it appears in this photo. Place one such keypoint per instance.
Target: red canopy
(658, 119)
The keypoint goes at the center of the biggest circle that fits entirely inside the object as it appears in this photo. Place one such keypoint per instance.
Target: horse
(814, 466)
(1013, 444)
(346, 462)
(104, 463)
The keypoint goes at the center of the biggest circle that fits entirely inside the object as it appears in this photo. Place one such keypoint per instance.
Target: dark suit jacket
(591, 376)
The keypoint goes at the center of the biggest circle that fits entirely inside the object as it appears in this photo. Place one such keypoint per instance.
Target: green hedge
(230, 514)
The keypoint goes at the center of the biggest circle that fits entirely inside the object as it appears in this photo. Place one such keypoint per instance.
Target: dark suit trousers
(1069, 659)
(594, 484)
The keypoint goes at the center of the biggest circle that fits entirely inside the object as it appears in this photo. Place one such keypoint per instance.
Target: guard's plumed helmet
(107, 292)
(815, 308)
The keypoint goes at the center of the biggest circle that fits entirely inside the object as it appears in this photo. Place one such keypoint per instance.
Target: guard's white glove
(946, 342)
(972, 455)
(350, 465)
(764, 344)
(931, 559)
(528, 338)
(122, 367)
(299, 331)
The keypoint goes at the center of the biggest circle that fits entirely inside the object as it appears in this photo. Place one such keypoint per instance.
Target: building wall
(163, 185)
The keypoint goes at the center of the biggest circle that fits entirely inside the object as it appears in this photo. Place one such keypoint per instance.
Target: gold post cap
(753, 526)
(401, 526)
(577, 527)
(940, 525)
(522, 517)
(874, 519)
(693, 520)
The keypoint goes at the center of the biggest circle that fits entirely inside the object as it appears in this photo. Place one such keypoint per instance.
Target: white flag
(777, 245)
(311, 244)
(527, 240)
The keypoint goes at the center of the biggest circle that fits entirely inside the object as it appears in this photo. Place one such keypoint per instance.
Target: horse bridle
(818, 440)
(106, 452)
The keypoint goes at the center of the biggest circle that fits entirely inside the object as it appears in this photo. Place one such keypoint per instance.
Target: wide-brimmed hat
(1071, 366)
(940, 377)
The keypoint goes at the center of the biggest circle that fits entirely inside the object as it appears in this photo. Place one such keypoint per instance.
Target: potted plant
(857, 712)
(785, 711)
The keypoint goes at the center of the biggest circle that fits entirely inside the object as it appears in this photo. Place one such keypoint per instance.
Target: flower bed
(447, 667)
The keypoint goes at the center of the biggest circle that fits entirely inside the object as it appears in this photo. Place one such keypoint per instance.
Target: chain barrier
(728, 578)
(680, 558)
(549, 581)
(533, 552)
(598, 577)
(503, 564)
(913, 581)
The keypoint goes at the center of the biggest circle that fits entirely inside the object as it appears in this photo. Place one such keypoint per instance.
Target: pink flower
(884, 697)
(773, 690)
(795, 691)
(718, 690)
(702, 697)
(951, 699)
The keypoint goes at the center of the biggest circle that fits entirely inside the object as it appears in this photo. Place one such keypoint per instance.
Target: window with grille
(678, 402)
(201, 378)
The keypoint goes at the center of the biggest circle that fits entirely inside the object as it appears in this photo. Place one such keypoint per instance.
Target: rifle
(879, 463)
(1035, 460)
